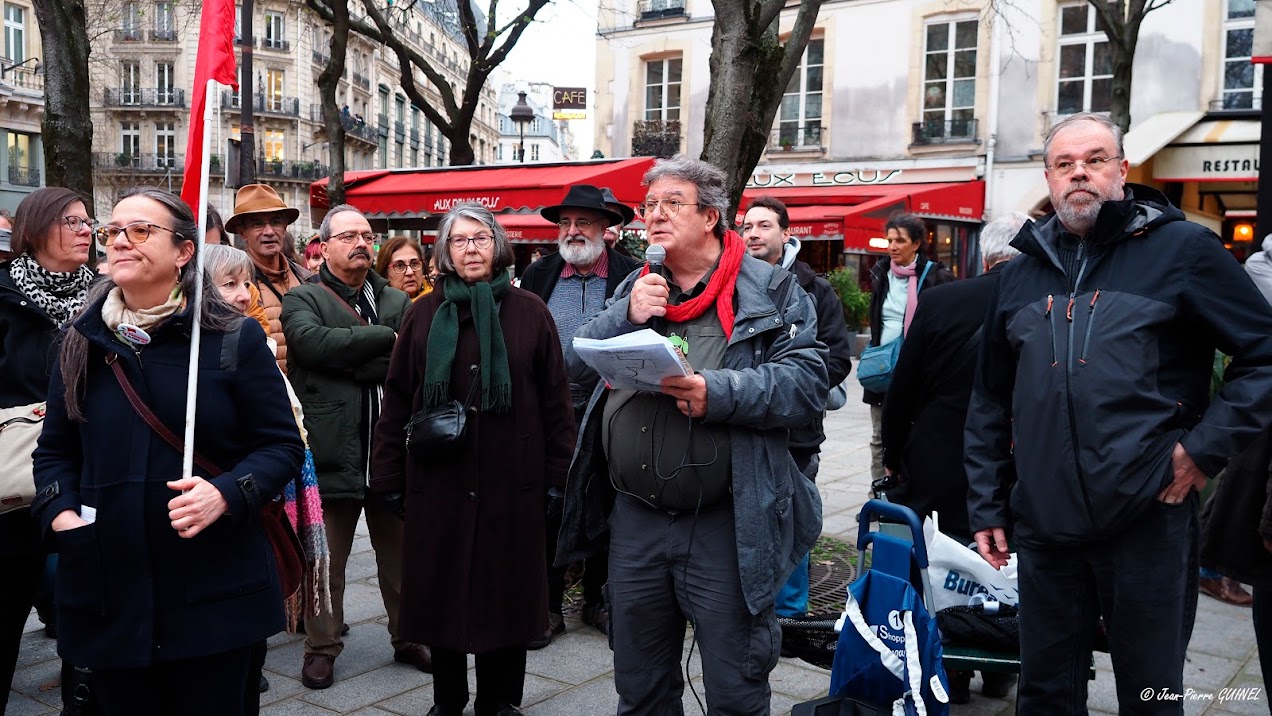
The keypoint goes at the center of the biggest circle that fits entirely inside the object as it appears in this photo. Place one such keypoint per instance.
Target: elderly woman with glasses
(166, 586)
(485, 500)
(401, 261)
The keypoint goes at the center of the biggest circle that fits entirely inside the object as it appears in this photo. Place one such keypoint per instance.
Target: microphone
(655, 255)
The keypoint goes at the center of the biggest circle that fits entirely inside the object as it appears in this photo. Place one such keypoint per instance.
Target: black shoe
(264, 684)
(510, 710)
(960, 686)
(996, 685)
(556, 625)
(437, 711)
(598, 616)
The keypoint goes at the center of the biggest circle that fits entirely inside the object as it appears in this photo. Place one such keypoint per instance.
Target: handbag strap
(342, 302)
(152, 420)
(923, 277)
(472, 387)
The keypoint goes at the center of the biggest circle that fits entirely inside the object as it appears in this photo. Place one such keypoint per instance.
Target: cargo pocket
(78, 580)
(326, 435)
(763, 646)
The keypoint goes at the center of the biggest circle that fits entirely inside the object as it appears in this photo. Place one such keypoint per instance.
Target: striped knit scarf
(304, 509)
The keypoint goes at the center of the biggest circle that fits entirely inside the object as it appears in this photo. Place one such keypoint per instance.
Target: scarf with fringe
(304, 510)
(443, 335)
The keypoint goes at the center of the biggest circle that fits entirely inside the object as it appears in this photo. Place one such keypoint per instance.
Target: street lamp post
(521, 115)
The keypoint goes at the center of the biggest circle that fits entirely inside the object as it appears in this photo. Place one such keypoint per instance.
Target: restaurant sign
(569, 103)
(1215, 162)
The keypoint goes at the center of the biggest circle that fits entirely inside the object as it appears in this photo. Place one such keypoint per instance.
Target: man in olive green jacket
(340, 333)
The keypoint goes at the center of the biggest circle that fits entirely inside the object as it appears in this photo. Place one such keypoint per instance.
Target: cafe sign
(569, 103)
(1215, 162)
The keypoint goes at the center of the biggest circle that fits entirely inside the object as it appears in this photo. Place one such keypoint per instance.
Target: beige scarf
(115, 313)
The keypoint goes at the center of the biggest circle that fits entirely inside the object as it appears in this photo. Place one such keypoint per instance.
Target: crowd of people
(1058, 405)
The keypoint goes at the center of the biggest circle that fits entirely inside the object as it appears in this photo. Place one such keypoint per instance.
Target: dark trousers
(1263, 635)
(1143, 581)
(21, 565)
(668, 569)
(203, 686)
(595, 573)
(501, 678)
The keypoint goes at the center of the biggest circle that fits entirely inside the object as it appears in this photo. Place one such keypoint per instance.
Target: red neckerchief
(719, 289)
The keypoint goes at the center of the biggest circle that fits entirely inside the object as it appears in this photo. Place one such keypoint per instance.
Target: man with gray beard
(576, 282)
(1091, 429)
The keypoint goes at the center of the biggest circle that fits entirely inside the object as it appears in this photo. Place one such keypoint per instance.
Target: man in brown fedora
(576, 282)
(261, 219)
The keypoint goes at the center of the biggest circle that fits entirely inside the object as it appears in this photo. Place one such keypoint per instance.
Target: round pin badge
(133, 334)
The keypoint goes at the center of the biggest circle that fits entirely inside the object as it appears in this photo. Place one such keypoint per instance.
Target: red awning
(400, 193)
(528, 228)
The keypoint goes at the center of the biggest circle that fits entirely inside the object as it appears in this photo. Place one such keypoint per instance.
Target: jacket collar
(1142, 209)
(346, 292)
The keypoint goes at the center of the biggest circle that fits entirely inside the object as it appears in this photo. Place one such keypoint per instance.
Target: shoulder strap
(779, 288)
(342, 302)
(152, 420)
(923, 277)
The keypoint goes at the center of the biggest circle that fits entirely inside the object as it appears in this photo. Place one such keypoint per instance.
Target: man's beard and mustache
(584, 255)
(1079, 214)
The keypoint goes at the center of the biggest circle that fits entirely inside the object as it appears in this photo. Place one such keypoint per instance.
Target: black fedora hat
(582, 196)
(629, 214)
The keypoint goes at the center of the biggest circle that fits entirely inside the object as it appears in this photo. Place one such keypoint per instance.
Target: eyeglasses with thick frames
(583, 224)
(400, 267)
(351, 237)
(1094, 164)
(257, 223)
(75, 223)
(670, 208)
(481, 241)
(138, 232)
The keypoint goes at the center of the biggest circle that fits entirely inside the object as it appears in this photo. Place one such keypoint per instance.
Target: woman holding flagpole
(165, 585)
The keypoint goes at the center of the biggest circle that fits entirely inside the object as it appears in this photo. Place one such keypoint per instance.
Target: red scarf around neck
(719, 289)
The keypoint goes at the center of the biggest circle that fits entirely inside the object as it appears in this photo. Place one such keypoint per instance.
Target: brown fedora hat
(258, 199)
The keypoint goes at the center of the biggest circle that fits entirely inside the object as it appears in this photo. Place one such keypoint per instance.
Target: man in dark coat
(766, 229)
(1091, 429)
(576, 282)
(341, 332)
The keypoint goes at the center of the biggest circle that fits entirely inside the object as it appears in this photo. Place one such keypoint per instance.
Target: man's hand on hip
(1188, 477)
(648, 299)
(992, 545)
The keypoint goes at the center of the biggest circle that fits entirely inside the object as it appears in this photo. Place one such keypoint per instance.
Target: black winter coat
(832, 331)
(879, 292)
(541, 276)
(924, 411)
(1095, 387)
(130, 591)
(1238, 517)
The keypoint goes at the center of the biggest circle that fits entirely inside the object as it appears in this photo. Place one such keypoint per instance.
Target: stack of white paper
(633, 361)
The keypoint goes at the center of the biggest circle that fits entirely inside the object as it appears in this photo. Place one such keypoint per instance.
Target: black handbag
(441, 429)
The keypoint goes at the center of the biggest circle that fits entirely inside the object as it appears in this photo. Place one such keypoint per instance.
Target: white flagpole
(196, 330)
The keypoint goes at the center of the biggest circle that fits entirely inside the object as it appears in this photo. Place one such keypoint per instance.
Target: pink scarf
(912, 293)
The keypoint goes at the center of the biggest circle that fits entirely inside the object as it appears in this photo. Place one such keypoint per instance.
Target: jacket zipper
(1086, 340)
(1051, 327)
(1068, 392)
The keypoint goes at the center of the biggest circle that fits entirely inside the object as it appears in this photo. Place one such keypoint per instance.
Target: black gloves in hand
(396, 502)
(554, 502)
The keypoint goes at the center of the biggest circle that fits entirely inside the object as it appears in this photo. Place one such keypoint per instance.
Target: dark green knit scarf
(496, 381)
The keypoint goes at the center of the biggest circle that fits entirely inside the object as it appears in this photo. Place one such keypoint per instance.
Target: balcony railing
(288, 106)
(290, 169)
(660, 9)
(796, 136)
(129, 34)
(954, 131)
(267, 43)
(168, 35)
(353, 126)
(321, 58)
(1237, 102)
(23, 175)
(144, 97)
(361, 80)
(656, 138)
(139, 163)
(399, 131)
(383, 122)
(26, 78)
(415, 136)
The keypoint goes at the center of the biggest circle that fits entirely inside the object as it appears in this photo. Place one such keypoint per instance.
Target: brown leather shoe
(556, 625)
(417, 655)
(319, 671)
(1227, 590)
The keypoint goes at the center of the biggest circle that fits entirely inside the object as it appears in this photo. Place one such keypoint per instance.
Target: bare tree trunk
(750, 69)
(67, 128)
(1122, 20)
(332, 116)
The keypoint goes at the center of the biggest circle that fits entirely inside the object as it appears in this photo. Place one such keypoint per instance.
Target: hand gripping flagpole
(196, 329)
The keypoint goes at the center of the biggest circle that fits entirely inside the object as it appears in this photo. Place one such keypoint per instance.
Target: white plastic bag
(957, 573)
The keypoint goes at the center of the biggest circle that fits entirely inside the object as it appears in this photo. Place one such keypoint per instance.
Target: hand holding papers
(633, 361)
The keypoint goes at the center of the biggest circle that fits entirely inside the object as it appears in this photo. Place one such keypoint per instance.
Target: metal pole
(247, 95)
(521, 147)
(1263, 225)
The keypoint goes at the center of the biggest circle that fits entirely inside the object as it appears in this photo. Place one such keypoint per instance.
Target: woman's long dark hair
(217, 315)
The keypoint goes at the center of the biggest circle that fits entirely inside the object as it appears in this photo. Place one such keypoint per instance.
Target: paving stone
(573, 658)
(349, 694)
(841, 525)
(371, 711)
(1222, 629)
(282, 686)
(419, 700)
(41, 682)
(295, 708)
(366, 647)
(35, 648)
(1204, 672)
(798, 682)
(20, 705)
(360, 566)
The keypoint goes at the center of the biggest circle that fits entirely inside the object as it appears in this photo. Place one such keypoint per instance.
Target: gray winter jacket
(774, 380)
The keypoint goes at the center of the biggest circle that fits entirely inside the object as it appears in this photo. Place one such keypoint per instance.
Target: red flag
(215, 61)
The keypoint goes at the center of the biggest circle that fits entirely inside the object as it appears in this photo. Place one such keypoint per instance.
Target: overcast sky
(560, 48)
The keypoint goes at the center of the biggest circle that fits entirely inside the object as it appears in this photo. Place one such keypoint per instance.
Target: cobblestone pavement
(573, 676)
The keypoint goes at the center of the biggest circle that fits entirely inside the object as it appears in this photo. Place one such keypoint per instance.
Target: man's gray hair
(709, 180)
(1073, 119)
(503, 256)
(996, 236)
(324, 231)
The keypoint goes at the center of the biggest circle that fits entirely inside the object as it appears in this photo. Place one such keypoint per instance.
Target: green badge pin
(680, 344)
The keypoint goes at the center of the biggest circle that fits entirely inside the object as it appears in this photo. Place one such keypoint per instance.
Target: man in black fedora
(576, 282)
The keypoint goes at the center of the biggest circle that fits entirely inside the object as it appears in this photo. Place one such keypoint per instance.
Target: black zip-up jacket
(1096, 386)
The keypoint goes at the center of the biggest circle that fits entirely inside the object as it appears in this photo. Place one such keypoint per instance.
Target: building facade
(940, 107)
(21, 106)
(545, 139)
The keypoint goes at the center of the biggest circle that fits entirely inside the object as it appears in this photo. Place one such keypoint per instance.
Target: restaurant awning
(421, 193)
(1146, 138)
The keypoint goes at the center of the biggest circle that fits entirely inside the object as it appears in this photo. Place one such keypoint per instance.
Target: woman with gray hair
(477, 340)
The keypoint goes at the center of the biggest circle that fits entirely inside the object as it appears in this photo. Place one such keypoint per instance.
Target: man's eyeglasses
(138, 232)
(1094, 164)
(400, 267)
(257, 223)
(670, 208)
(583, 224)
(351, 237)
(481, 241)
(75, 223)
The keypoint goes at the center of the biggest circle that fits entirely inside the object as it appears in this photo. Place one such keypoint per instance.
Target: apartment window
(165, 92)
(22, 163)
(662, 89)
(274, 37)
(401, 155)
(1242, 81)
(14, 33)
(165, 145)
(1085, 80)
(384, 152)
(274, 140)
(130, 21)
(799, 119)
(274, 81)
(130, 83)
(415, 156)
(499, 152)
(238, 23)
(399, 112)
(129, 142)
(949, 79)
(165, 29)
(534, 152)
